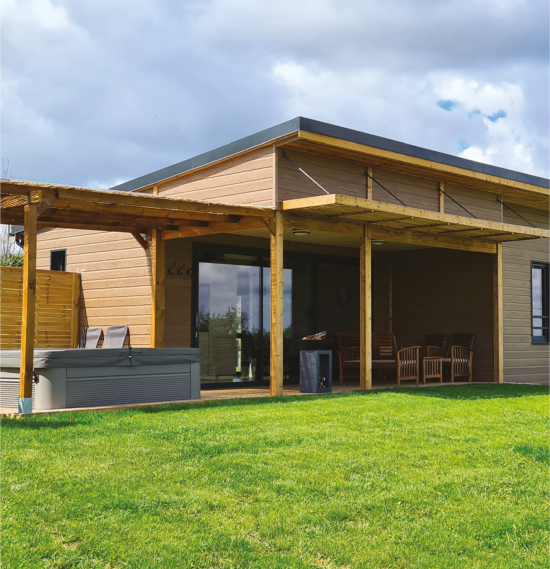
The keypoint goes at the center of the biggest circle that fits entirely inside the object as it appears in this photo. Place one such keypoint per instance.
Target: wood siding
(57, 303)
(246, 180)
(116, 278)
(179, 257)
(524, 361)
(445, 291)
(346, 178)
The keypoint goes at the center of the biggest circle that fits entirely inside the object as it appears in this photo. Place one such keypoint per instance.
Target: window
(539, 302)
(58, 260)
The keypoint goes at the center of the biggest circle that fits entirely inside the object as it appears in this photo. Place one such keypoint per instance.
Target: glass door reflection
(229, 322)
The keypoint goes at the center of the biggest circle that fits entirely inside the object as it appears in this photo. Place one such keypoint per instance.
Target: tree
(10, 253)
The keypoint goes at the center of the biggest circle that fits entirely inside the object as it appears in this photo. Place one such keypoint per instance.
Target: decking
(222, 394)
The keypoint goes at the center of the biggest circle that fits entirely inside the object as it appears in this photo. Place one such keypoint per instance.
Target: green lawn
(442, 477)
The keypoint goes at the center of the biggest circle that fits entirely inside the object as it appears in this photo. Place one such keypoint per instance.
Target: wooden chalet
(301, 228)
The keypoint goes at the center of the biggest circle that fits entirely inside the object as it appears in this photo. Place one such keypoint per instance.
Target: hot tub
(71, 378)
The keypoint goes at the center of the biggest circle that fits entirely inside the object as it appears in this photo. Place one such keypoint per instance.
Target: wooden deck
(219, 394)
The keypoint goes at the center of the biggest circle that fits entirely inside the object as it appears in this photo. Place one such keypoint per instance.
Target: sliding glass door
(229, 321)
(233, 310)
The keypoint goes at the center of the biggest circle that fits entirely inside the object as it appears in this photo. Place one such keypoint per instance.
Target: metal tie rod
(392, 195)
(458, 204)
(303, 172)
(513, 211)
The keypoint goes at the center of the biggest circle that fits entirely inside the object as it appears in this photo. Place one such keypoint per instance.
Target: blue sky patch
(474, 112)
(498, 115)
(447, 105)
(463, 144)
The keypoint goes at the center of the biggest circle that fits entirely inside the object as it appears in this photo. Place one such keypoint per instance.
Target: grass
(441, 477)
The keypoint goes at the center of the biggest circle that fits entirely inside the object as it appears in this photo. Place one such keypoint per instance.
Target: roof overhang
(324, 139)
(346, 215)
(105, 210)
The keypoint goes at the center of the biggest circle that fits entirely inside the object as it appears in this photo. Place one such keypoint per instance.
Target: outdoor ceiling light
(300, 232)
(377, 242)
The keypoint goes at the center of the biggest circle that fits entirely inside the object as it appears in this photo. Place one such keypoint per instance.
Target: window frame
(545, 266)
(52, 251)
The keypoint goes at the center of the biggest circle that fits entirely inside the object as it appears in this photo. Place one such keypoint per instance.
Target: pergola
(38, 206)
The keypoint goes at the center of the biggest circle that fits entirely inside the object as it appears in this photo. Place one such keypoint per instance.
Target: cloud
(506, 140)
(102, 91)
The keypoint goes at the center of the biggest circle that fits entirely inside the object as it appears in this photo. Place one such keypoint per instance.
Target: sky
(95, 92)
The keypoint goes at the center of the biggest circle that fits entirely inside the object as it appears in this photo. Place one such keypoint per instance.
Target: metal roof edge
(350, 135)
(326, 129)
(235, 147)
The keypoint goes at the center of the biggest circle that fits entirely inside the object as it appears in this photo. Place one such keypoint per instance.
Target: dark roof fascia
(366, 139)
(15, 229)
(317, 127)
(236, 147)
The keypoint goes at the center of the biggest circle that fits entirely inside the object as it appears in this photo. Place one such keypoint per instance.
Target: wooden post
(158, 296)
(29, 310)
(498, 320)
(441, 186)
(366, 309)
(75, 315)
(369, 183)
(277, 307)
(158, 285)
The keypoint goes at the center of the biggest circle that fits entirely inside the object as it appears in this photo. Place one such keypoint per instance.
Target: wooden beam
(89, 227)
(498, 317)
(441, 186)
(160, 202)
(29, 311)
(75, 315)
(434, 240)
(139, 238)
(277, 307)
(45, 204)
(276, 176)
(369, 183)
(366, 310)
(9, 201)
(158, 289)
(116, 220)
(353, 229)
(149, 212)
(214, 228)
(335, 204)
(23, 189)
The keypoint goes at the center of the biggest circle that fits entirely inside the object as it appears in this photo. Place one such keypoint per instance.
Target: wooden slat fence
(57, 308)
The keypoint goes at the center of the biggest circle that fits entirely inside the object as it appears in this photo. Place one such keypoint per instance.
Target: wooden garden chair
(460, 355)
(408, 364)
(349, 355)
(434, 340)
(432, 366)
(384, 352)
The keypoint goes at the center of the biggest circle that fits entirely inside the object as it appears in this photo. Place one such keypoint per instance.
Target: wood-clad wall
(57, 309)
(436, 290)
(179, 279)
(523, 361)
(246, 179)
(115, 273)
(346, 178)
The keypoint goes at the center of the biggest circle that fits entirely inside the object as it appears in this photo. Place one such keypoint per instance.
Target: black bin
(315, 371)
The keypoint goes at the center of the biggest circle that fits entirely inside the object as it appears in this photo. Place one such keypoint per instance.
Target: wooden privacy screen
(57, 308)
